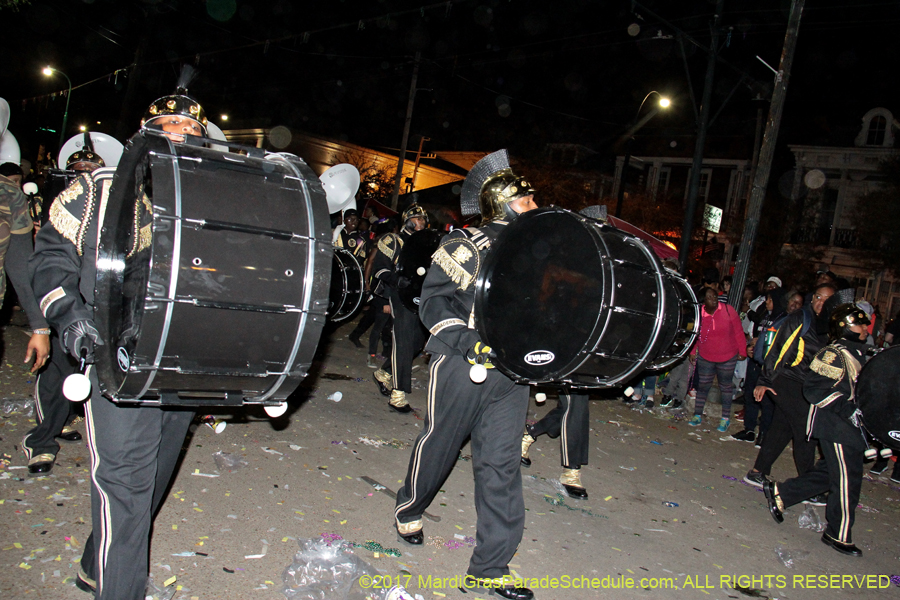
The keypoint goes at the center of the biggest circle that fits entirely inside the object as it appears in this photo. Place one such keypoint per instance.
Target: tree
(376, 176)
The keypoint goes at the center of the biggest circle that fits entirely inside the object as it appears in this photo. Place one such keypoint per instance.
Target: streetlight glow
(49, 71)
(224, 117)
(664, 102)
(82, 128)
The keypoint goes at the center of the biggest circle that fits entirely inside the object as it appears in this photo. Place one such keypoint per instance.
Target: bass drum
(413, 264)
(347, 289)
(876, 393)
(224, 303)
(565, 300)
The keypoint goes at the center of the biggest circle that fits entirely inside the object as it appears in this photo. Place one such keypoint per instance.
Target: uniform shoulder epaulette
(389, 243)
(459, 257)
(824, 361)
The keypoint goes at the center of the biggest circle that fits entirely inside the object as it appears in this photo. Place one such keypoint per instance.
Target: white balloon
(277, 410)
(77, 387)
(478, 373)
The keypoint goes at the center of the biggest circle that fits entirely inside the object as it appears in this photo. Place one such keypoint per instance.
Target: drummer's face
(418, 223)
(523, 204)
(861, 331)
(176, 127)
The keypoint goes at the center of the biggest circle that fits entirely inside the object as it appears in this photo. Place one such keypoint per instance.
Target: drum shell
(564, 299)
(231, 295)
(876, 394)
(347, 288)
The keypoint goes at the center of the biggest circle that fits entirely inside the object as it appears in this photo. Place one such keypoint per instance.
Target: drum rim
(338, 251)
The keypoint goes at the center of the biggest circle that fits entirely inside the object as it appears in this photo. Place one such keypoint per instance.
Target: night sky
(494, 73)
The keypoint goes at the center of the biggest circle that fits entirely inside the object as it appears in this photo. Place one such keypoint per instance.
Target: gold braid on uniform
(72, 227)
(142, 236)
(452, 264)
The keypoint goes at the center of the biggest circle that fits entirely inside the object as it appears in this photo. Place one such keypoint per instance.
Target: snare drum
(224, 303)
(566, 300)
(347, 289)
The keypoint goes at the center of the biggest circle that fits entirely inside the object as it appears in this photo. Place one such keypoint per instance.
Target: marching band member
(56, 416)
(491, 412)
(829, 387)
(133, 448)
(394, 378)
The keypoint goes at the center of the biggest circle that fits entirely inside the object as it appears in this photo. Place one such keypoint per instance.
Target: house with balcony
(828, 182)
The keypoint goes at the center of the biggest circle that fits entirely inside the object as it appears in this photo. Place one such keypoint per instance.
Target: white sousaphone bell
(9, 147)
(341, 182)
(109, 148)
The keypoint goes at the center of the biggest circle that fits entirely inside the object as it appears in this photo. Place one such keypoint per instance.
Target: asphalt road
(230, 534)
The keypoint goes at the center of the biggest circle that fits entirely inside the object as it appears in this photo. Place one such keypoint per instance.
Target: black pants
(570, 421)
(788, 424)
(409, 339)
(380, 320)
(493, 414)
(840, 473)
(752, 408)
(52, 409)
(134, 450)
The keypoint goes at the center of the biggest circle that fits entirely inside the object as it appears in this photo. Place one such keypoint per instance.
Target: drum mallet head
(886, 453)
(871, 453)
(77, 387)
(420, 271)
(478, 373)
(540, 398)
(277, 410)
(629, 392)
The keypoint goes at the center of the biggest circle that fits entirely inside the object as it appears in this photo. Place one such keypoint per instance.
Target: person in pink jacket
(720, 345)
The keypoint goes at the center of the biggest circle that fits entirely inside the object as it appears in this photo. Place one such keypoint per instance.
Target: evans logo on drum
(540, 357)
(894, 434)
(123, 358)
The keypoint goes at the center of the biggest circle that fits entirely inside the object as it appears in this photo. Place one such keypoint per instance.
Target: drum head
(876, 393)
(543, 294)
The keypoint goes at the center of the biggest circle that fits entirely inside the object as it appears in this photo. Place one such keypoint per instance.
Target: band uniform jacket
(448, 293)
(353, 243)
(792, 350)
(64, 263)
(830, 387)
(384, 267)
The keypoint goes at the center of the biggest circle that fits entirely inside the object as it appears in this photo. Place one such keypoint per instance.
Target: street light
(49, 71)
(663, 103)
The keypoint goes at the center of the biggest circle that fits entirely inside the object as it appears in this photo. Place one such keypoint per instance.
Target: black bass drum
(347, 289)
(566, 300)
(876, 393)
(222, 299)
(413, 264)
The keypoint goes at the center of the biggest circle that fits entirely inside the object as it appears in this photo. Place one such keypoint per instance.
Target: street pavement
(230, 533)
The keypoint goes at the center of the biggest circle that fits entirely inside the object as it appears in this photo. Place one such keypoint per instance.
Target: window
(665, 173)
(877, 128)
(703, 188)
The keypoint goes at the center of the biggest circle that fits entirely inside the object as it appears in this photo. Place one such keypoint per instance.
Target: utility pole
(409, 111)
(700, 145)
(766, 152)
(422, 140)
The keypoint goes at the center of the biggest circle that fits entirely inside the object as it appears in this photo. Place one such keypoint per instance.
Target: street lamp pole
(629, 136)
(48, 71)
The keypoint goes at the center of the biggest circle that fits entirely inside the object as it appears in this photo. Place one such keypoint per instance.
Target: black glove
(403, 282)
(82, 336)
(481, 354)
